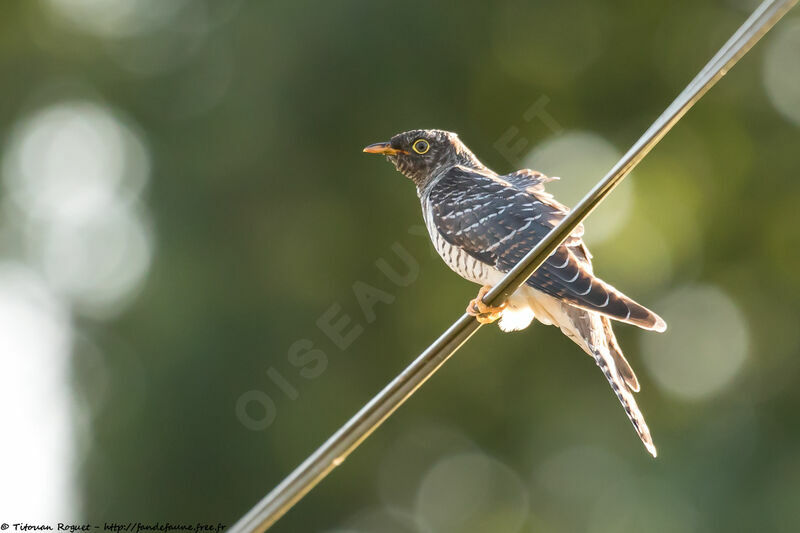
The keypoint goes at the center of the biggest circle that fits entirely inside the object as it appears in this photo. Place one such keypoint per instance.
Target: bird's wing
(533, 182)
(497, 220)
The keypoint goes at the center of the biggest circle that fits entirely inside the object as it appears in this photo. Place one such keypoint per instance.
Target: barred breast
(457, 259)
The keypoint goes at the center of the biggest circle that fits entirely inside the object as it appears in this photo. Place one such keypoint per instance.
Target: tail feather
(623, 366)
(592, 332)
(568, 276)
(624, 309)
(625, 397)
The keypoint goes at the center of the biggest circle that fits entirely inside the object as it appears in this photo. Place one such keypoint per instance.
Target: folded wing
(498, 219)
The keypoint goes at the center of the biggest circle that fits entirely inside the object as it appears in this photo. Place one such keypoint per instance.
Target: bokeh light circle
(72, 158)
(99, 262)
(782, 69)
(471, 493)
(382, 520)
(412, 455)
(116, 18)
(580, 158)
(705, 346)
(578, 474)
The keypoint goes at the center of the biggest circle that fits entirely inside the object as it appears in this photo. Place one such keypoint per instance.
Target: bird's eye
(421, 146)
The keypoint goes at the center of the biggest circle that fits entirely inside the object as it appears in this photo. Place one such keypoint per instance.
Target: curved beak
(383, 148)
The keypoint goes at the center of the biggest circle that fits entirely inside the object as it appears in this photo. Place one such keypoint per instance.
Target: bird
(483, 223)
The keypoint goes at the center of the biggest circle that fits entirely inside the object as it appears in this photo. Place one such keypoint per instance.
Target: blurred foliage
(264, 213)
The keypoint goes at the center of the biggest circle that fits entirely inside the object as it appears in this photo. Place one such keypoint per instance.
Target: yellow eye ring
(421, 146)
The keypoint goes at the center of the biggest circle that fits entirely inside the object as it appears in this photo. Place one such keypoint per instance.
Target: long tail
(593, 333)
(625, 396)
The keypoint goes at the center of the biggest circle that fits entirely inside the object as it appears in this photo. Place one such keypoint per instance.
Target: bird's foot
(485, 314)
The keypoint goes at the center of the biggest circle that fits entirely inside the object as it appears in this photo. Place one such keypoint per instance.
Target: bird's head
(422, 154)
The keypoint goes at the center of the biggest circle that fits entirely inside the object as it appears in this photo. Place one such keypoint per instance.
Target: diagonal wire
(334, 451)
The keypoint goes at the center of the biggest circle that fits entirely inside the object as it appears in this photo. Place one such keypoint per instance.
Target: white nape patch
(515, 319)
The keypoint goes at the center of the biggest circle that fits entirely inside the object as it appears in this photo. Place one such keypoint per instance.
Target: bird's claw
(485, 314)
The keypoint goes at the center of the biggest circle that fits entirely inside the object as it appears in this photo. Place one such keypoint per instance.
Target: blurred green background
(184, 199)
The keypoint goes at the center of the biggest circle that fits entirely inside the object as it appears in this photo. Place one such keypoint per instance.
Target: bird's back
(481, 221)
